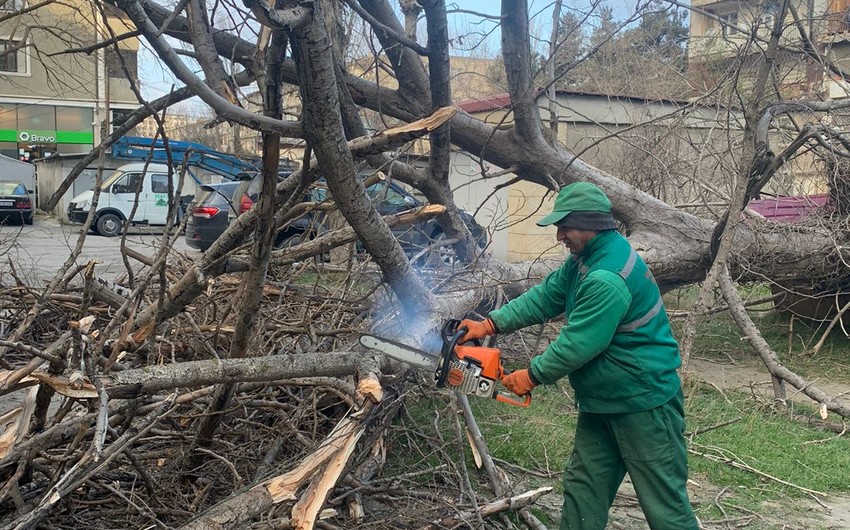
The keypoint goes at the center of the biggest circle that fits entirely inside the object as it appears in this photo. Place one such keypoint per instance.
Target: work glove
(477, 329)
(520, 382)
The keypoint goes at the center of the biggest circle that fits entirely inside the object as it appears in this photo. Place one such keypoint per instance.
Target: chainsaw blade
(400, 352)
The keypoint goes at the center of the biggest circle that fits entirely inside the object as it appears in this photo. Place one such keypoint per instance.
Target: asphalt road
(38, 251)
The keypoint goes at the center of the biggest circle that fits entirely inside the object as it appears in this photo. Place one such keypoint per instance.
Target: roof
(503, 100)
(142, 166)
(788, 209)
(472, 106)
(9, 160)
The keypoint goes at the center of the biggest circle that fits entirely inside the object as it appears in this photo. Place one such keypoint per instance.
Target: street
(39, 250)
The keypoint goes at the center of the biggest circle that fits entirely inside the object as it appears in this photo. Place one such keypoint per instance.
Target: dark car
(15, 202)
(420, 240)
(208, 217)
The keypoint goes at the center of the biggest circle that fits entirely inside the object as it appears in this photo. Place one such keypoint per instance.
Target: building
(721, 30)
(660, 146)
(54, 96)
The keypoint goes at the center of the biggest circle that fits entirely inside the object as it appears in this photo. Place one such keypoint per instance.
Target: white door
(157, 199)
(122, 196)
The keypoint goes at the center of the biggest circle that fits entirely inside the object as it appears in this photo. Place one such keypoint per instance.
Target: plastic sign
(48, 137)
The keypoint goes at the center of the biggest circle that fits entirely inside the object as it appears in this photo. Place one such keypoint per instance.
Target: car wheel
(28, 218)
(109, 225)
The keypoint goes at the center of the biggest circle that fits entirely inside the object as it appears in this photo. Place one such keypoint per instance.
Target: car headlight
(83, 205)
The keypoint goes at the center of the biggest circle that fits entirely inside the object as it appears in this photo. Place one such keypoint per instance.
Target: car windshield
(12, 188)
(386, 194)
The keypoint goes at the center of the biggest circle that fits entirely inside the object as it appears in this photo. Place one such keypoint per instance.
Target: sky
(478, 38)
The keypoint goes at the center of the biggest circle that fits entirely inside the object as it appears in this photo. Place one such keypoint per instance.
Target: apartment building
(721, 30)
(54, 96)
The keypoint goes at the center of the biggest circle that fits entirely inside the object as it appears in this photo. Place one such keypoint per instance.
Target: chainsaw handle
(453, 332)
(504, 397)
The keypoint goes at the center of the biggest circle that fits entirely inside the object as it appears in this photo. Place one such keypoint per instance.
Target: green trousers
(650, 446)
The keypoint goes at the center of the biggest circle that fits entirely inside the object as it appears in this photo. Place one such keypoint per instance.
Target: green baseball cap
(582, 198)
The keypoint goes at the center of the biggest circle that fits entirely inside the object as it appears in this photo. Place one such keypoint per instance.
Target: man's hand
(477, 329)
(519, 382)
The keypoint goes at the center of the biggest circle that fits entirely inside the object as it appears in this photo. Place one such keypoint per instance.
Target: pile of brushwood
(107, 424)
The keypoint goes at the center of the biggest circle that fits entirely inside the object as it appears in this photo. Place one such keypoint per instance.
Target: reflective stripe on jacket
(616, 345)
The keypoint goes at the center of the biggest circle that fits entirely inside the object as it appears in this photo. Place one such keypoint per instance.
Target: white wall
(475, 194)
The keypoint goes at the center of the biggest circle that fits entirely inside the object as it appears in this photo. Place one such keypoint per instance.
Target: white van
(119, 195)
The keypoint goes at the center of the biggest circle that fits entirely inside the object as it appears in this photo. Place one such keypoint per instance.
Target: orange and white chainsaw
(472, 370)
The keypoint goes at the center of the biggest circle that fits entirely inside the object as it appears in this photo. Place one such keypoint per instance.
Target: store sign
(37, 137)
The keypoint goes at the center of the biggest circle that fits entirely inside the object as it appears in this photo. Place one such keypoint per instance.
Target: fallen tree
(298, 426)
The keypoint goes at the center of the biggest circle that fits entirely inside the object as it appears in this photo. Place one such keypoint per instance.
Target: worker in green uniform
(619, 353)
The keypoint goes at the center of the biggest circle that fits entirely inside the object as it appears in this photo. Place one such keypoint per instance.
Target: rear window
(12, 188)
(220, 197)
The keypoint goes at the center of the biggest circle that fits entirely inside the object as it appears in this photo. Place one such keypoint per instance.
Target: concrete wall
(53, 171)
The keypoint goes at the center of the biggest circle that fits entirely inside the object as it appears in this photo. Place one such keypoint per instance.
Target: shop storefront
(30, 131)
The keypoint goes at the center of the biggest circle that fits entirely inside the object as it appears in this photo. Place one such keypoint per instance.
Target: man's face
(574, 239)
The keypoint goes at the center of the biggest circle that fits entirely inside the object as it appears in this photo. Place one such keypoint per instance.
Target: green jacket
(616, 345)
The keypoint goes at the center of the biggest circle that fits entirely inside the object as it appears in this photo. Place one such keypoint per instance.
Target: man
(617, 348)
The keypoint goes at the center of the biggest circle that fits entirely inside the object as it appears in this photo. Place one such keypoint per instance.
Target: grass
(767, 441)
(773, 443)
(718, 337)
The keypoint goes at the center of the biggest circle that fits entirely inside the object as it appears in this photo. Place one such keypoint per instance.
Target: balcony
(837, 23)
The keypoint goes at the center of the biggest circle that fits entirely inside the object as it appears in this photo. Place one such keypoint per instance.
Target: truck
(146, 179)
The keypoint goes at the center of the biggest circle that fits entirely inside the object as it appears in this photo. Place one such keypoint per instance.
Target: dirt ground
(830, 513)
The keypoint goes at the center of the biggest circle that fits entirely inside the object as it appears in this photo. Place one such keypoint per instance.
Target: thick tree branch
(516, 51)
(221, 106)
(323, 130)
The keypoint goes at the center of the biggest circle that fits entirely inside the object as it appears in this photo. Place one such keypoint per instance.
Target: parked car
(119, 196)
(208, 216)
(15, 202)
(389, 198)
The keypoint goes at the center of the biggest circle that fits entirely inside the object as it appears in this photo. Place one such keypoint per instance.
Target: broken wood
(510, 504)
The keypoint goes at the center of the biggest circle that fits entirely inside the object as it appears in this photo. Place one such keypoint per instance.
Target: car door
(122, 196)
(156, 198)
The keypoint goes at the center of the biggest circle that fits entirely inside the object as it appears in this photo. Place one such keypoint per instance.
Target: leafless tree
(250, 362)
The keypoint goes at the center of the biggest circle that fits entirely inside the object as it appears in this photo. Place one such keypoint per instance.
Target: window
(12, 58)
(768, 16)
(12, 188)
(729, 24)
(159, 183)
(11, 5)
(114, 59)
(128, 183)
(36, 117)
(74, 119)
(387, 194)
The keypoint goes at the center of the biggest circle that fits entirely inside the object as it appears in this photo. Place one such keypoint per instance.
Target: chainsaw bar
(400, 352)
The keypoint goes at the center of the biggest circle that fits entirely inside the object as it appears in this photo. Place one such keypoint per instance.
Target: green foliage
(644, 58)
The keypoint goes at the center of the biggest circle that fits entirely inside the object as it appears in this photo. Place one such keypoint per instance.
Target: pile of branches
(116, 432)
